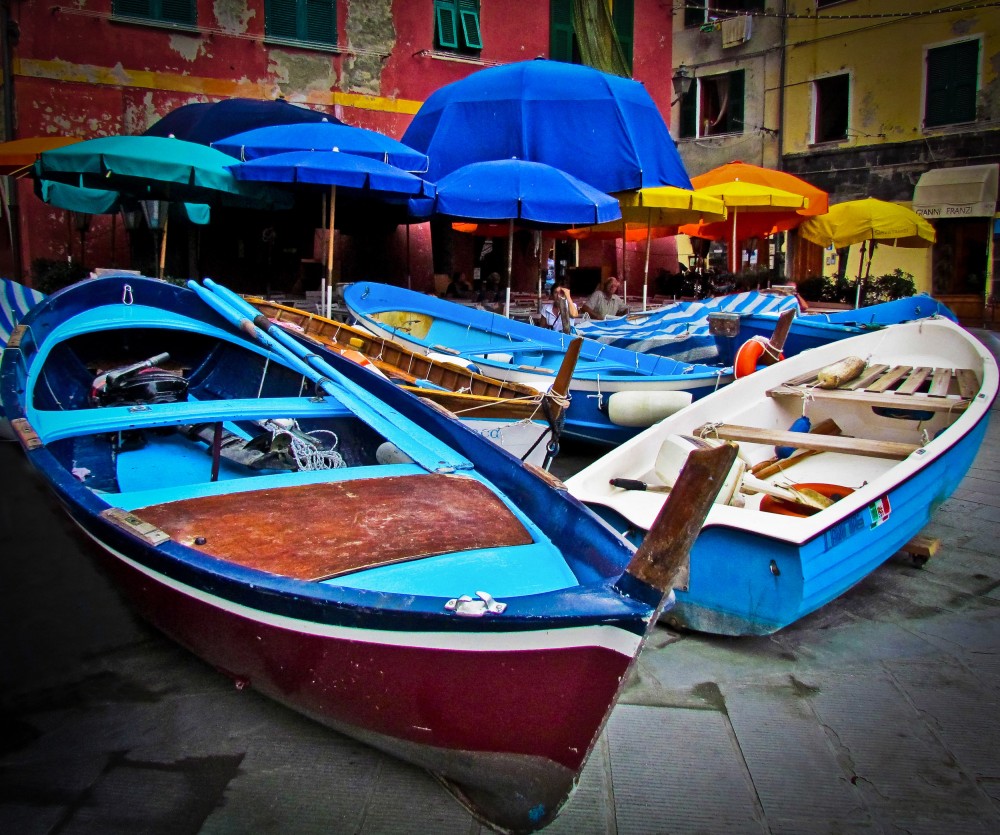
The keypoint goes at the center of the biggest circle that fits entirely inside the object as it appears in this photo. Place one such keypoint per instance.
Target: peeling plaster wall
(371, 38)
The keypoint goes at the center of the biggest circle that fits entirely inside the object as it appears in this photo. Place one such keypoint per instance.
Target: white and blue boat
(613, 394)
(882, 450)
(683, 330)
(337, 543)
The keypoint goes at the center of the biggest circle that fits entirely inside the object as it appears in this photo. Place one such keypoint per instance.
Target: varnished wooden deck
(318, 531)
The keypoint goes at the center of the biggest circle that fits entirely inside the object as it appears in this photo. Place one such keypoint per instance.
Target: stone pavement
(877, 714)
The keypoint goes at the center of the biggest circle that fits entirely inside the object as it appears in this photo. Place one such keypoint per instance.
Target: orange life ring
(749, 354)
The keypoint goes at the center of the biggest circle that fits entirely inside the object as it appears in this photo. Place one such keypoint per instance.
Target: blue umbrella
(333, 169)
(520, 191)
(322, 136)
(604, 129)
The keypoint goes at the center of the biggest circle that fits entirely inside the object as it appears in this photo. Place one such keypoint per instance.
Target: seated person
(550, 310)
(490, 292)
(459, 288)
(604, 303)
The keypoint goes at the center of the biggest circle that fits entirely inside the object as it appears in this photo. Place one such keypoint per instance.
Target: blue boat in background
(844, 453)
(614, 392)
(810, 330)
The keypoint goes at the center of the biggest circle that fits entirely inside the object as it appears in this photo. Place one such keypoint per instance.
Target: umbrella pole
(734, 258)
(408, 257)
(624, 274)
(645, 277)
(163, 245)
(328, 295)
(861, 264)
(510, 265)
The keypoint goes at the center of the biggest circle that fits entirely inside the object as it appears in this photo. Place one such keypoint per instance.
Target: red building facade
(106, 67)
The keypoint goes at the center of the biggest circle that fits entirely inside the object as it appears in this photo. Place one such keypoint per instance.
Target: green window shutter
(321, 21)
(623, 17)
(446, 19)
(561, 30)
(468, 12)
(688, 128)
(133, 8)
(178, 11)
(951, 84)
(281, 19)
(737, 90)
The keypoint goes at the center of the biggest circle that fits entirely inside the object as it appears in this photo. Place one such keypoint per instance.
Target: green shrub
(48, 275)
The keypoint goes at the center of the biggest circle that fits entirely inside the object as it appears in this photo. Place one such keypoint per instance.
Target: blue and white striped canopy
(15, 301)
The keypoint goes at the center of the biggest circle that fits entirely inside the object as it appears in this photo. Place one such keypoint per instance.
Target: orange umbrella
(17, 156)
(761, 222)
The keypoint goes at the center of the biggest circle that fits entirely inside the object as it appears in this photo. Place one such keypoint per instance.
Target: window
(952, 75)
(562, 46)
(182, 12)
(623, 15)
(308, 21)
(831, 99)
(713, 106)
(456, 26)
(700, 12)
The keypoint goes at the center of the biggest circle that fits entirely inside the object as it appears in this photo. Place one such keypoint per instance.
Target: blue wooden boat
(890, 446)
(15, 301)
(810, 330)
(613, 394)
(339, 544)
(683, 330)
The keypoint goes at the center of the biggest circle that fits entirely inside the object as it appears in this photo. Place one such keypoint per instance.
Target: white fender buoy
(389, 453)
(644, 408)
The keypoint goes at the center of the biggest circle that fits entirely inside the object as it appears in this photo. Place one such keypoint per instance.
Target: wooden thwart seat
(897, 386)
(805, 440)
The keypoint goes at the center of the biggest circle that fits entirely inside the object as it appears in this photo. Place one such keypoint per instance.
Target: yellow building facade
(900, 100)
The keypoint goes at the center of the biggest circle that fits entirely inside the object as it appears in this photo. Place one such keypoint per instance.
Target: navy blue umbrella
(205, 122)
(604, 129)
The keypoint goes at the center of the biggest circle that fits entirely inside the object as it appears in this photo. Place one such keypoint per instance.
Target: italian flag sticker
(879, 512)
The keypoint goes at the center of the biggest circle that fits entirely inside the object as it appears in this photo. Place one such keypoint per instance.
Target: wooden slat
(890, 378)
(940, 382)
(802, 379)
(888, 400)
(803, 440)
(914, 381)
(868, 376)
(968, 383)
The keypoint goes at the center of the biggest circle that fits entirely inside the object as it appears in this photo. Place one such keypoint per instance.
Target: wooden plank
(940, 382)
(968, 383)
(888, 400)
(802, 379)
(890, 378)
(803, 440)
(868, 376)
(914, 381)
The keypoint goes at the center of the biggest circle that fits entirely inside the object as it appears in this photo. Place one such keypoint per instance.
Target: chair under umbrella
(334, 170)
(524, 193)
(868, 222)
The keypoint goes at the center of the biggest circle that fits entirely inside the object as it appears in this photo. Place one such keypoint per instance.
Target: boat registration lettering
(879, 512)
(846, 529)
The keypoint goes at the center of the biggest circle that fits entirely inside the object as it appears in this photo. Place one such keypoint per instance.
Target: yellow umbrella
(779, 207)
(18, 155)
(659, 208)
(870, 222)
(857, 221)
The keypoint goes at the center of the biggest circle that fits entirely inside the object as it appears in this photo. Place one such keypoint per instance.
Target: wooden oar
(777, 341)
(773, 465)
(661, 563)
